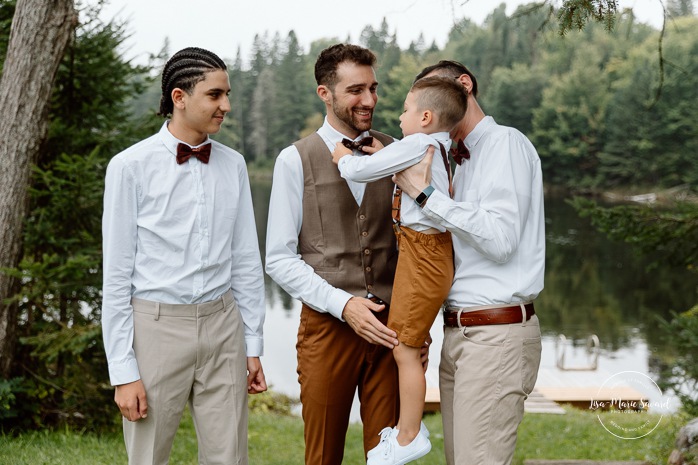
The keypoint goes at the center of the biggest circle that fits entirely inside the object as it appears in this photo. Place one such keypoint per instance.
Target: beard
(346, 115)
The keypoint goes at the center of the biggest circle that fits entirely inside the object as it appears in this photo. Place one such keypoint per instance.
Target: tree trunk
(39, 36)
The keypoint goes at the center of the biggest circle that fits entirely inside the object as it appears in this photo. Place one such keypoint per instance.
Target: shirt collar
(442, 137)
(171, 142)
(478, 131)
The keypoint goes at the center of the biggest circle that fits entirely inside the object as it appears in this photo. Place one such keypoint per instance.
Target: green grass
(278, 440)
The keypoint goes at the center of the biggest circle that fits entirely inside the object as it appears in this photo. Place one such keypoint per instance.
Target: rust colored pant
(333, 361)
(422, 281)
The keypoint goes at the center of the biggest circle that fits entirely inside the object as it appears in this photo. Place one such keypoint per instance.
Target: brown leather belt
(491, 316)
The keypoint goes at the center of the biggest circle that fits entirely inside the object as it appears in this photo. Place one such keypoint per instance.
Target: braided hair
(184, 70)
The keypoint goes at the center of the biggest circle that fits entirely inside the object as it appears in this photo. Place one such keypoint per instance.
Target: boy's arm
(340, 151)
(387, 161)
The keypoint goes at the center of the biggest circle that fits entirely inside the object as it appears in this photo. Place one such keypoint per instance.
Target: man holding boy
(491, 349)
(330, 244)
(183, 298)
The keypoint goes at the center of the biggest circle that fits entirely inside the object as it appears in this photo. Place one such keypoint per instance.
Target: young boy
(425, 262)
(183, 296)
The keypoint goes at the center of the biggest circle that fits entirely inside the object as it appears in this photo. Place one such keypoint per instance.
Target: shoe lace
(385, 433)
(385, 436)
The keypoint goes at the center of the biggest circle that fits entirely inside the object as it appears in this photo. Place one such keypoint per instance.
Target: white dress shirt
(176, 234)
(496, 219)
(283, 262)
(396, 157)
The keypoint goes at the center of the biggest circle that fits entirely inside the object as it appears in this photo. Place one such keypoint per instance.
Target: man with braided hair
(183, 296)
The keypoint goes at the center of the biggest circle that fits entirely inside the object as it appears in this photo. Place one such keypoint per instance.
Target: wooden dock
(536, 403)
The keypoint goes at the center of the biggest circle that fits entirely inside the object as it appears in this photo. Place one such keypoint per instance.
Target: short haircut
(444, 96)
(451, 69)
(184, 70)
(329, 59)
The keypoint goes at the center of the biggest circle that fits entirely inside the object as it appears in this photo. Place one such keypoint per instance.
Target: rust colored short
(422, 280)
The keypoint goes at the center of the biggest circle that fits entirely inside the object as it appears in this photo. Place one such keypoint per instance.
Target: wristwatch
(424, 195)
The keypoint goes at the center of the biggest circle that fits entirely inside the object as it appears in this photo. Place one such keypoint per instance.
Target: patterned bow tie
(460, 152)
(357, 145)
(184, 153)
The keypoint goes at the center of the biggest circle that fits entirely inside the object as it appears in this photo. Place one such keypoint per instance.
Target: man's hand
(357, 312)
(424, 353)
(256, 382)
(416, 178)
(373, 148)
(130, 398)
(339, 152)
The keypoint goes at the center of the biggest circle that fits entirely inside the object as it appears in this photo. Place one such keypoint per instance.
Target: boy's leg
(413, 388)
(219, 397)
(166, 355)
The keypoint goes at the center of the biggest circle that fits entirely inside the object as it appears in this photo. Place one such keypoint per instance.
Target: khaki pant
(486, 373)
(333, 361)
(191, 354)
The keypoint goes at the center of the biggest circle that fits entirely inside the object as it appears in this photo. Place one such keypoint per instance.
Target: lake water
(592, 287)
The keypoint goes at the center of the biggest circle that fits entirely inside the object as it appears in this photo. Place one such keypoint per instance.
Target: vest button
(364, 233)
(368, 268)
(362, 217)
(367, 252)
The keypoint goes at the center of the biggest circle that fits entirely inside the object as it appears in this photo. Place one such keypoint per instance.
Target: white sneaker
(385, 433)
(390, 452)
(423, 429)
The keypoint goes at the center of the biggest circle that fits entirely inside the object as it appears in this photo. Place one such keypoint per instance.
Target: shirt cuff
(254, 346)
(338, 300)
(431, 206)
(123, 372)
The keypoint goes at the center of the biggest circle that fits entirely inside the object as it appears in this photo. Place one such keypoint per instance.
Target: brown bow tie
(460, 152)
(357, 145)
(184, 153)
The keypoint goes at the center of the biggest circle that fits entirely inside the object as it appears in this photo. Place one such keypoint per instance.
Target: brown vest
(352, 247)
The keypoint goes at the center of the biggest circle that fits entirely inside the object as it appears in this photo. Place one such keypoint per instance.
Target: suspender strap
(447, 165)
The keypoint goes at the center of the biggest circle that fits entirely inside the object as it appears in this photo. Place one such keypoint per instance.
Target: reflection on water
(592, 286)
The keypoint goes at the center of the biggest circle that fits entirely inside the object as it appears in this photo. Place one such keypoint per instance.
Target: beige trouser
(486, 373)
(191, 354)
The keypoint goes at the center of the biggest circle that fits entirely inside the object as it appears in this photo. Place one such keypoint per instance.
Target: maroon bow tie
(357, 145)
(184, 153)
(460, 152)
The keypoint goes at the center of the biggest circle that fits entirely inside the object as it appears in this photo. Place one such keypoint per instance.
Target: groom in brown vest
(330, 244)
